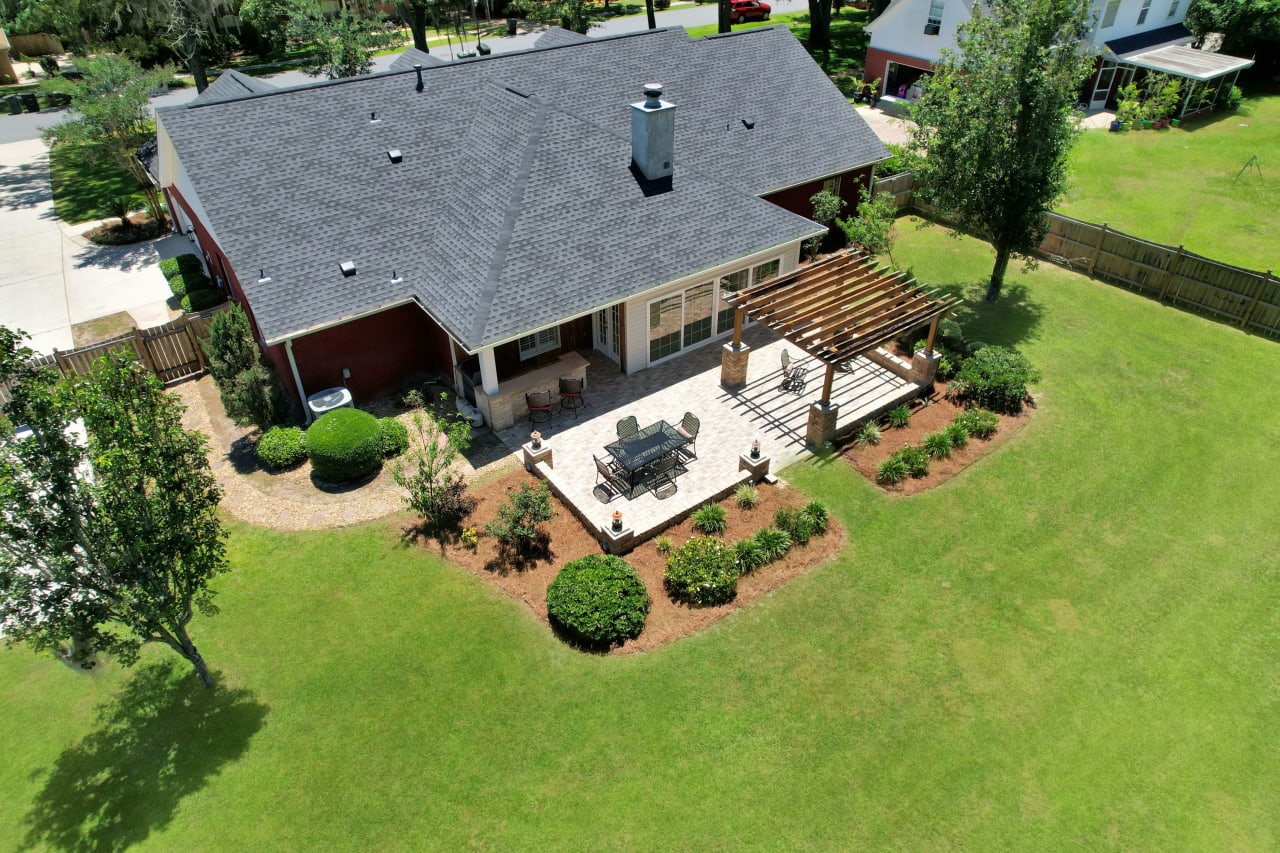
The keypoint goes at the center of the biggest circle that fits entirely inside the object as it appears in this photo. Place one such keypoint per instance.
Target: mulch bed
(118, 234)
(928, 416)
(568, 540)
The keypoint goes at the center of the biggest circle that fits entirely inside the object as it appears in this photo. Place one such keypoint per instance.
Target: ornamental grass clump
(868, 434)
(958, 435)
(598, 600)
(774, 542)
(978, 423)
(344, 445)
(710, 518)
(749, 555)
(892, 471)
(702, 572)
(281, 447)
(898, 417)
(746, 496)
(795, 523)
(937, 445)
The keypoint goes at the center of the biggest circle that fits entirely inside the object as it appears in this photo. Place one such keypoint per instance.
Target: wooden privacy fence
(171, 351)
(1246, 298)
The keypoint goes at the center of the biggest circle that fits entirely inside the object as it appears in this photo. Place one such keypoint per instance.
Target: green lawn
(80, 188)
(1184, 185)
(848, 39)
(1073, 644)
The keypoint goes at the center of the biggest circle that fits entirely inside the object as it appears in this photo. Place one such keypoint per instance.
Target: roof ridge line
(515, 204)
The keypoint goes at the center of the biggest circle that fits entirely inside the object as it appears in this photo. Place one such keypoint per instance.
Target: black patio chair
(612, 477)
(628, 426)
(571, 395)
(792, 374)
(661, 474)
(539, 405)
(688, 428)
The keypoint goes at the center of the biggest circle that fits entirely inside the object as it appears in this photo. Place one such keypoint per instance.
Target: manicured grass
(80, 188)
(1071, 644)
(1185, 185)
(848, 39)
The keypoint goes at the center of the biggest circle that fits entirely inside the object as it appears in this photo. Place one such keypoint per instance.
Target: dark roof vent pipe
(418, 68)
(653, 133)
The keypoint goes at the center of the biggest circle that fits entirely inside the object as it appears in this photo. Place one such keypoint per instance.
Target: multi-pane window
(697, 313)
(1142, 14)
(1173, 8)
(832, 185)
(731, 283)
(1109, 15)
(539, 342)
(765, 271)
(933, 25)
(665, 326)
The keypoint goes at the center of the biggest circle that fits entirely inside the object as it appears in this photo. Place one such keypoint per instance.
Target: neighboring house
(908, 38)
(483, 220)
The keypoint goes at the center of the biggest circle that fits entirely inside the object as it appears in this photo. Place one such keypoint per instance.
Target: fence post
(195, 342)
(1257, 297)
(141, 347)
(1097, 250)
(64, 366)
(1170, 272)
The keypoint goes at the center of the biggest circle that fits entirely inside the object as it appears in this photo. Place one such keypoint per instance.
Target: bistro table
(636, 452)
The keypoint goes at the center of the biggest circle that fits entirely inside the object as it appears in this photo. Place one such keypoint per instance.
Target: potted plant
(1128, 106)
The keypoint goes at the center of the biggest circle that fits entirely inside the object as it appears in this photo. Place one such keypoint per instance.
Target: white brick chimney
(653, 133)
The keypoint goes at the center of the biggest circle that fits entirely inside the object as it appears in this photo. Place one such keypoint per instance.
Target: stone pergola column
(924, 363)
(735, 356)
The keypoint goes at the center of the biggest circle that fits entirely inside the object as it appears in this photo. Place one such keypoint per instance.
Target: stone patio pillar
(733, 366)
(924, 367)
(822, 424)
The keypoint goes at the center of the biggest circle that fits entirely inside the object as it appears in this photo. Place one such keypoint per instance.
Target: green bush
(663, 545)
(393, 437)
(247, 383)
(979, 423)
(795, 523)
(599, 600)
(519, 516)
(868, 433)
(995, 378)
(187, 264)
(817, 510)
(916, 460)
(746, 496)
(774, 542)
(344, 445)
(957, 434)
(199, 300)
(187, 283)
(891, 471)
(899, 416)
(749, 555)
(702, 572)
(710, 518)
(281, 447)
(938, 445)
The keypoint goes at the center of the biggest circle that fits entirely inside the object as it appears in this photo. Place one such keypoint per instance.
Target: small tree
(248, 385)
(340, 45)
(872, 228)
(516, 526)
(826, 207)
(434, 490)
(271, 20)
(108, 118)
(109, 543)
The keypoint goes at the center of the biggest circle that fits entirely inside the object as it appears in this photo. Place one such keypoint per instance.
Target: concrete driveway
(51, 277)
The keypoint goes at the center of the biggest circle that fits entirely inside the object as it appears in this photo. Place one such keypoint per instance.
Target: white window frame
(1109, 14)
(933, 24)
(1173, 8)
(1142, 13)
(832, 185)
(535, 344)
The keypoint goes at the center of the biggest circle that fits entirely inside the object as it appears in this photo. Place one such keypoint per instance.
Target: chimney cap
(653, 95)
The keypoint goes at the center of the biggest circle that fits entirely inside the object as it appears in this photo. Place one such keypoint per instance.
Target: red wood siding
(796, 199)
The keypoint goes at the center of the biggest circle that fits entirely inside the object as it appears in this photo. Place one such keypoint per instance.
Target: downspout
(297, 380)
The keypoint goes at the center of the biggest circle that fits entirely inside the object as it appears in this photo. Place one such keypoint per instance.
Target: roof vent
(373, 119)
(348, 268)
(263, 278)
(395, 155)
(418, 67)
(652, 95)
(395, 279)
(748, 123)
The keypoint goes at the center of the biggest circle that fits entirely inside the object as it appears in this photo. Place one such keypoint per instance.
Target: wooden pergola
(840, 308)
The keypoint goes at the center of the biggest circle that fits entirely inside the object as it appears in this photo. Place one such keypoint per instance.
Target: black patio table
(635, 452)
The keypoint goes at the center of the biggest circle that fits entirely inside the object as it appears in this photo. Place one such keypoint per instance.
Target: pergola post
(933, 334)
(821, 428)
(735, 356)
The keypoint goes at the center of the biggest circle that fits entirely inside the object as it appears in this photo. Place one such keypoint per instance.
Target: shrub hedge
(188, 282)
(344, 445)
(199, 300)
(187, 264)
(393, 437)
(598, 599)
(281, 447)
(702, 572)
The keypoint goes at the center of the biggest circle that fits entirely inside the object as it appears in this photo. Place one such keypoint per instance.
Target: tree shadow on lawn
(161, 738)
(1009, 321)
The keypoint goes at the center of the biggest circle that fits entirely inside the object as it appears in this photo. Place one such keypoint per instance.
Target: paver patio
(731, 420)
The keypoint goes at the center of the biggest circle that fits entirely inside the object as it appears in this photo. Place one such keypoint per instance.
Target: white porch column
(488, 372)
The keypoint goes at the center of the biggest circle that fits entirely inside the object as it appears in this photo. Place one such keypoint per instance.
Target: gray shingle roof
(230, 86)
(412, 57)
(515, 205)
(557, 36)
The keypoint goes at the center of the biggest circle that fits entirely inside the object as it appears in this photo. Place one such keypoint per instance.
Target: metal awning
(1187, 62)
(841, 307)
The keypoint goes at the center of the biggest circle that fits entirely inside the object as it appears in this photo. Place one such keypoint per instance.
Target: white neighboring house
(908, 38)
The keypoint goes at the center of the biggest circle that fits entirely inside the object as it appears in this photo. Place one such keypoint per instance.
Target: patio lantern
(617, 520)
(535, 438)
(755, 449)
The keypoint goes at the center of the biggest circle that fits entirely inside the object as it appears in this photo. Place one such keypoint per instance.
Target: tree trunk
(820, 27)
(196, 64)
(188, 650)
(648, 8)
(725, 22)
(418, 25)
(998, 271)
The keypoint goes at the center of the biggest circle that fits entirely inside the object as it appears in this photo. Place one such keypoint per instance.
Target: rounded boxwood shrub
(184, 284)
(344, 445)
(598, 599)
(199, 300)
(995, 378)
(702, 572)
(393, 437)
(281, 447)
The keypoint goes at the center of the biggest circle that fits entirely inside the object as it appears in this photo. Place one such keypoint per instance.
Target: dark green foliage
(995, 378)
(188, 265)
(393, 437)
(434, 491)
(898, 417)
(199, 300)
(281, 447)
(702, 572)
(249, 387)
(599, 600)
(938, 445)
(749, 555)
(978, 423)
(710, 518)
(795, 523)
(916, 460)
(891, 471)
(519, 516)
(344, 445)
(872, 227)
(185, 283)
(958, 434)
(774, 542)
(817, 511)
